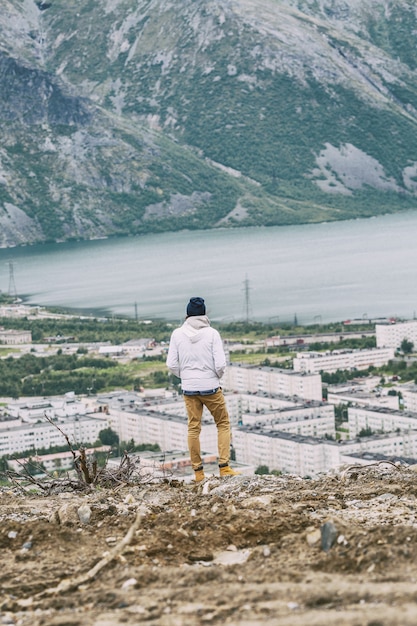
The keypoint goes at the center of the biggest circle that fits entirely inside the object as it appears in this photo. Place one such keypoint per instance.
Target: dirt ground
(236, 551)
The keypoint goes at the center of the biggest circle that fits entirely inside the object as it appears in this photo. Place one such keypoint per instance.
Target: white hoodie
(196, 354)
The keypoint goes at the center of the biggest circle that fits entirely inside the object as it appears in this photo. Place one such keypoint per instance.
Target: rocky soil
(237, 551)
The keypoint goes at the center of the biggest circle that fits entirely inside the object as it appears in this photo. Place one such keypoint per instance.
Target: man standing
(196, 355)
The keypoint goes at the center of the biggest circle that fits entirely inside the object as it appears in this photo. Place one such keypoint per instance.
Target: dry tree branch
(358, 467)
(15, 477)
(51, 421)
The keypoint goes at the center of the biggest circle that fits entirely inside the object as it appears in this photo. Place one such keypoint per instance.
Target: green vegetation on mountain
(136, 116)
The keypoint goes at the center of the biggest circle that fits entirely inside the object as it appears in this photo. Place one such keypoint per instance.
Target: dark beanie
(196, 306)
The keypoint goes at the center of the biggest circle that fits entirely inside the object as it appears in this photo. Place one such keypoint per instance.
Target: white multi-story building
(392, 335)
(363, 398)
(297, 413)
(289, 453)
(379, 420)
(15, 337)
(34, 409)
(331, 361)
(308, 456)
(409, 396)
(272, 381)
(319, 427)
(42, 434)
(169, 431)
(305, 340)
(398, 445)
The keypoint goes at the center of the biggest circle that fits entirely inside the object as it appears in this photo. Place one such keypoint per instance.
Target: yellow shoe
(199, 475)
(226, 470)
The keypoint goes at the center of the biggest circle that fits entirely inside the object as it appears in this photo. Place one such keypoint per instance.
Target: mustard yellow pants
(217, 406)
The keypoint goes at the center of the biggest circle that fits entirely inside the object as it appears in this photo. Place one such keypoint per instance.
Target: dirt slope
(247, 551)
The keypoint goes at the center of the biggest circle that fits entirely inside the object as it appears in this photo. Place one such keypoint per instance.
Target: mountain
(135, 116)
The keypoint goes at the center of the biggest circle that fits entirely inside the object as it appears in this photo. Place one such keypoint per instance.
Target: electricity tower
(12, 285)
(248, 308)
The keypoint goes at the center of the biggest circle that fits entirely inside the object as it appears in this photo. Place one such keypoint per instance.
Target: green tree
(365, 432)
(407, 346)
(108, 437)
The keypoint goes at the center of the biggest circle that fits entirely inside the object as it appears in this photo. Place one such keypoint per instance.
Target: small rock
(84, 514)
(122, 509)
(12, 534)
(130, 582)
(129, 499)
(387, 496)
(313, 537)
(67, 514)
(328, 535)
(232, 558)
(258, 502)
(266, 551)
(25, 602)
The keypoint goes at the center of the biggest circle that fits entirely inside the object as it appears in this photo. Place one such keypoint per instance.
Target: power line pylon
(247, 298)
(12, 285)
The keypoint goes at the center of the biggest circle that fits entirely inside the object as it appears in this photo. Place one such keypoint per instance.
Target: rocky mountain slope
(241, 551)
(130, 116)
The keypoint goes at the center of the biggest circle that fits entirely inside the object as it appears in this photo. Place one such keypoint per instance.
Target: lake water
(320, 272)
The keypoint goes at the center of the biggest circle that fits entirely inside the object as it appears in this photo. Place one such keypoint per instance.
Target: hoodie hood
(193, 326)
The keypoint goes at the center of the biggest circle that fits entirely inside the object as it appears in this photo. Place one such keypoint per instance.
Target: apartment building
(15, 337)
(319, 427)
(27, 436)
(308, 456)
(34, 409)
(363, 398)
(308, 411)
(409, 396)
(305, 340)
(395, 445)
(391, 335)
(379, 420)
(286, 452)
(169, 431)
(272, 381)
(331, 361)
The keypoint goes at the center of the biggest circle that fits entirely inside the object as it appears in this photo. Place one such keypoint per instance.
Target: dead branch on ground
(71, 584)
